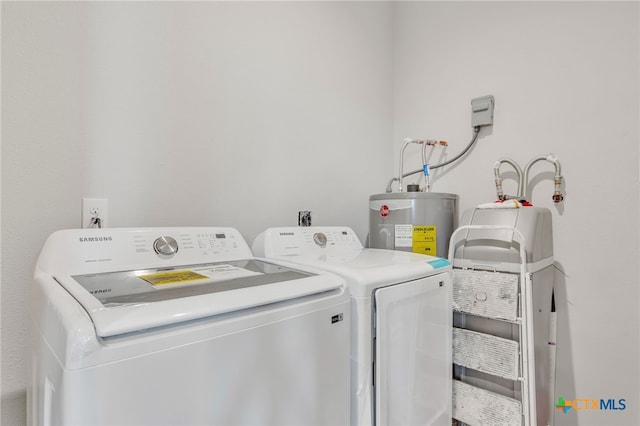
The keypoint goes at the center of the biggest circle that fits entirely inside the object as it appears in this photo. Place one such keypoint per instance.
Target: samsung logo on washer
(287, 234)
(94, 239)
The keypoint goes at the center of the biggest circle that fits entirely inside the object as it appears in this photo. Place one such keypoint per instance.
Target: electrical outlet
(482, 111)
(94, 212)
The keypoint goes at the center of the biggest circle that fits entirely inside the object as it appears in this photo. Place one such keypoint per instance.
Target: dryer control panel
(308, 240)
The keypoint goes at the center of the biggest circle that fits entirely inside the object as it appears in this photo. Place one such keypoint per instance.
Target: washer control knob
(320, 239)
(166, 246)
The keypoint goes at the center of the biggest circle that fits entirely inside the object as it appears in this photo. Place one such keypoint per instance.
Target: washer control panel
(105, 249)
(203, 242)
(166, 246)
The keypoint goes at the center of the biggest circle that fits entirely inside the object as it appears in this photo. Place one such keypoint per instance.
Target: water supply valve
(557, 197)
(500, 194)
(557, 181)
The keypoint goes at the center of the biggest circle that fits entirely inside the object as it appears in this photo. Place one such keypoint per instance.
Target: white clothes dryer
(401, 322)
(182, 326)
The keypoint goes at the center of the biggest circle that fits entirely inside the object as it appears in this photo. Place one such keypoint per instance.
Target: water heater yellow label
(424, 240)
(173, 277)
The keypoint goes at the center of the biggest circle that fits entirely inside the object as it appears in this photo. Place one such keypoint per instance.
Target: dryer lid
(364, 268)
(368, 269)
(128, 301)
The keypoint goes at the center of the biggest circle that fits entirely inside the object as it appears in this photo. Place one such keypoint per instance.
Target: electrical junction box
(482, 111)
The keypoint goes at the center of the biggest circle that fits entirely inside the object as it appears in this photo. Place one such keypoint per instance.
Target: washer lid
(128, 301)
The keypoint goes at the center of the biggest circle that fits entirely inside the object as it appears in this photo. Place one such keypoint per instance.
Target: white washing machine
(182, 326)
(401, 324)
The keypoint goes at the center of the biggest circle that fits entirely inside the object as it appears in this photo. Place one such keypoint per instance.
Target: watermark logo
(580, 404)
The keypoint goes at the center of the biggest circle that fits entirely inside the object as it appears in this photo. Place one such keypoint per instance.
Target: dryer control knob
(320, 239)
(166, 246)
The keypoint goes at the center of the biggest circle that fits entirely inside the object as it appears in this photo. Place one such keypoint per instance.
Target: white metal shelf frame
(526, 336)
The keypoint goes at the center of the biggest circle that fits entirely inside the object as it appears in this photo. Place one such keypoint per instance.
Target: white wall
(241, 114)
(565, 78)
(229, 114)
(0, 224)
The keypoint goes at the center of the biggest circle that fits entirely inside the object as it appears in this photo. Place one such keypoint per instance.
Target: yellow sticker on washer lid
(424, 240)
(173, 277)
